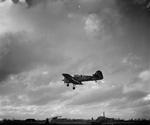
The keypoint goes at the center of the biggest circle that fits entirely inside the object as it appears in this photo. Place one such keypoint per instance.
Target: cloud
(93, 25)
(72, 36)
(30, 92)
(109, 95)
(135, 95)
(145, 75)
(20, 54)
(45, 95)
(113, 100)
(97, 96)
(147, 98)
(143, 112)
(28, 2)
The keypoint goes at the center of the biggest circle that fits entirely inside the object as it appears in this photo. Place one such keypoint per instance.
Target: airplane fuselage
(78, 79)
(83, 78)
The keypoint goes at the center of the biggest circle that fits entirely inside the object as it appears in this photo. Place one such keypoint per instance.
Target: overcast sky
(40, 42)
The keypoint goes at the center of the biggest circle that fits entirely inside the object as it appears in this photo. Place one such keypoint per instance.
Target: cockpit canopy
(77, 75)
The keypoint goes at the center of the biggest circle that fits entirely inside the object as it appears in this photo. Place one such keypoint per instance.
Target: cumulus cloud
(20, 54)
(147, 98)
(93, 25)
(97, 95)
(145, 75)
(113, 98)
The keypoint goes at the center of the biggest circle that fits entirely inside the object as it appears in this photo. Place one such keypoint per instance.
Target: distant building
(103, 114)
(30, 120)
(70, 121)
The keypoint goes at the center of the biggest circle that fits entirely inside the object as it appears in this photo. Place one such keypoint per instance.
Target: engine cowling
(66, 80)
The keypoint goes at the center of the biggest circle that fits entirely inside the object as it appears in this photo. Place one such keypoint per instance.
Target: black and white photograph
(74, 62)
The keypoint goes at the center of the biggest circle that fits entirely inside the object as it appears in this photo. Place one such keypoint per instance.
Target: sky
(50, 37)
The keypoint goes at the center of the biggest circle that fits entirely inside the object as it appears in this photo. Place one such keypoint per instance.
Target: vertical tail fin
(98, 74)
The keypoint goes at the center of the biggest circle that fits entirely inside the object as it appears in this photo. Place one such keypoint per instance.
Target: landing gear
(73, 87)
(67, 85)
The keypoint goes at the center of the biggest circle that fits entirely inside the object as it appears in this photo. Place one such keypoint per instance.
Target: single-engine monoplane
(78, 79)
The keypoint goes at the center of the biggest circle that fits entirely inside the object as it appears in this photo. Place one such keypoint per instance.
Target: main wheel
(73, 87)
(67, 85)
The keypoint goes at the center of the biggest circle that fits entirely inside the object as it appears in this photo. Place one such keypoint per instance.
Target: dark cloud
(135, 95)
(2, 0)
(15, 1)
(20, 54)
(135, 19)
(132, 99)
(30, 2)
(136, 7)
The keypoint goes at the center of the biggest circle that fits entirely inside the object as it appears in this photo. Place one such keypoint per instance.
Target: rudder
(98, 74)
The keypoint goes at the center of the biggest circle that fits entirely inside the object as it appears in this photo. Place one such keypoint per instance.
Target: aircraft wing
(71, 79)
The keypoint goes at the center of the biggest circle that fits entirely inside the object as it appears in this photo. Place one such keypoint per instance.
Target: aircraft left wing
(70, 79)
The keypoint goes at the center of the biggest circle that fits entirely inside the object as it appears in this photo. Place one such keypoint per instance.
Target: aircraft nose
(66, 75)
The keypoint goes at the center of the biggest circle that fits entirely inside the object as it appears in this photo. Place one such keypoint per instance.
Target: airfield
(64, 121)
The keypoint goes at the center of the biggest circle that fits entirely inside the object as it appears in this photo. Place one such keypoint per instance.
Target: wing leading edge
(69, 79)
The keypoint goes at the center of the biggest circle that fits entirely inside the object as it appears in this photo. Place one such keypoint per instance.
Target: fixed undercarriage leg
(74, 87)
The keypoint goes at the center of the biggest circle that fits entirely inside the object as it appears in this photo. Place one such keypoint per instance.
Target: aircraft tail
(98, 74)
